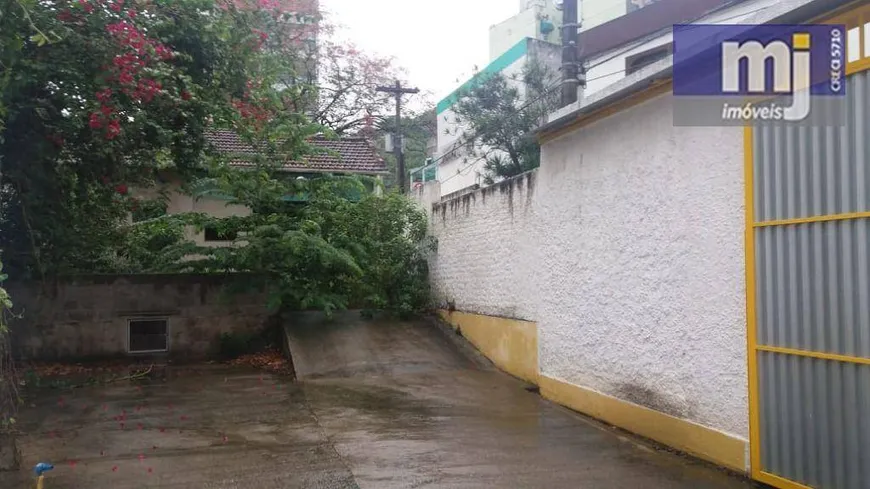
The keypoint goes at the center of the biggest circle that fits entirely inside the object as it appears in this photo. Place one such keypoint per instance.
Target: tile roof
(345, 155)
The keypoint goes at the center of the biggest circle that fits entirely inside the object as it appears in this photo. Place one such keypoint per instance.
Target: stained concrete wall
(626, 249)
(485, 244)
(87, 317)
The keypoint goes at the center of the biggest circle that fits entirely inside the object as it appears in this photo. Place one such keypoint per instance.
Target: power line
(398, 91)
(545, 93)
(658, 33)
(557, 85)
(550, 89)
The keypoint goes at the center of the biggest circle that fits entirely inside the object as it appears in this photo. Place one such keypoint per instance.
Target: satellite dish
(558, 4)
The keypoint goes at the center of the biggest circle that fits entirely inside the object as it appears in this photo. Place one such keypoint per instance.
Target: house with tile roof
(347, 155)
(344, 156)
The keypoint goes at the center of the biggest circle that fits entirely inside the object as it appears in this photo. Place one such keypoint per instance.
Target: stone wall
(87, 317)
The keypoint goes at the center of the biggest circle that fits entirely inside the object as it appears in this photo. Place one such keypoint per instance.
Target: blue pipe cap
(42, 468)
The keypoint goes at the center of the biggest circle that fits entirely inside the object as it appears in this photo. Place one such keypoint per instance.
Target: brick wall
(88, 316)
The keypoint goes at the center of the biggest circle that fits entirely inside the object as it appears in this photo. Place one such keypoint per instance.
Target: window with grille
(148, 335)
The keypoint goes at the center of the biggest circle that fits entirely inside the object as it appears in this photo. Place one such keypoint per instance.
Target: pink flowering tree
(100, 95)
(346, 84)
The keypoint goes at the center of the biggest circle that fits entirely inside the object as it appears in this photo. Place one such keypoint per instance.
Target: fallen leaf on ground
(271, 360)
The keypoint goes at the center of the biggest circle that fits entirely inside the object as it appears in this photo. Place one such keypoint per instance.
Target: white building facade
(459, 166)
(534, 33)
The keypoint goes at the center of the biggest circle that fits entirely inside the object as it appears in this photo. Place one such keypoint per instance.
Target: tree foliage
(418, 130)
(496, 118)
(327, 242)
(116, 94)
(345, 81)
(8, 389)
(104, 94)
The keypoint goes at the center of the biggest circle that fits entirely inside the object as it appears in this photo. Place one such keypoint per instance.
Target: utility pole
(398, 90)
(572, 72)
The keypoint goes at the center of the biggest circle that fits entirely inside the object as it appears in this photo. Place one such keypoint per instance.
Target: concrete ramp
(350, 346)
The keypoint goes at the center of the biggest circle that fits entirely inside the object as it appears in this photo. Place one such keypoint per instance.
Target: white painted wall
(597, 12)
(628, 252)
(526, 23)
(505, 35)
(608, 68)
(457, 174)
(641, 277)
(179, 203)
(485, 240)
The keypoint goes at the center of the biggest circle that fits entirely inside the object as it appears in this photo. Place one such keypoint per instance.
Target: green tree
(99, 95)
(497, 116)
(419, 130)
(8, 384)
(345, 80)
(327, 242)
(124, 91)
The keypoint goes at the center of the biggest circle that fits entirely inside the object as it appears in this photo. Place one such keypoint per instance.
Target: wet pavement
(377, 406)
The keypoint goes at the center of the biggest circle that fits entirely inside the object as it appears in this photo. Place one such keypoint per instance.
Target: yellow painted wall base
(511, 344)
(694, 439)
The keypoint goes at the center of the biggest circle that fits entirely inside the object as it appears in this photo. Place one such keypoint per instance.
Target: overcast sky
(438, 42)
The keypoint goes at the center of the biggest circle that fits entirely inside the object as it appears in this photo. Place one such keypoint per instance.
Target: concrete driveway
(377, 406)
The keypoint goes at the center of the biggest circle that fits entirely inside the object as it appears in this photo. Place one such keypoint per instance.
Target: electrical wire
(646, 39)
(546, 93)
(548, 90)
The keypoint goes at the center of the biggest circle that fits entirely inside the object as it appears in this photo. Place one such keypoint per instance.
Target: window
(636, 62)
(148, 335)
(212, 234)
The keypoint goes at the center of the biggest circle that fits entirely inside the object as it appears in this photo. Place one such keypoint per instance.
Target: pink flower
(122, 189)
(113, 129)
(65, 16)
(163, 52)
(125, 78)
(185, 95)
(95, 122)
(104, 95)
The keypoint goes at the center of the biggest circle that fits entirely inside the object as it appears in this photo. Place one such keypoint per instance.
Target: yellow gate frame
(850, 16)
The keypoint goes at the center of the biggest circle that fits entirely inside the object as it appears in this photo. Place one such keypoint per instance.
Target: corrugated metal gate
(808, 238)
